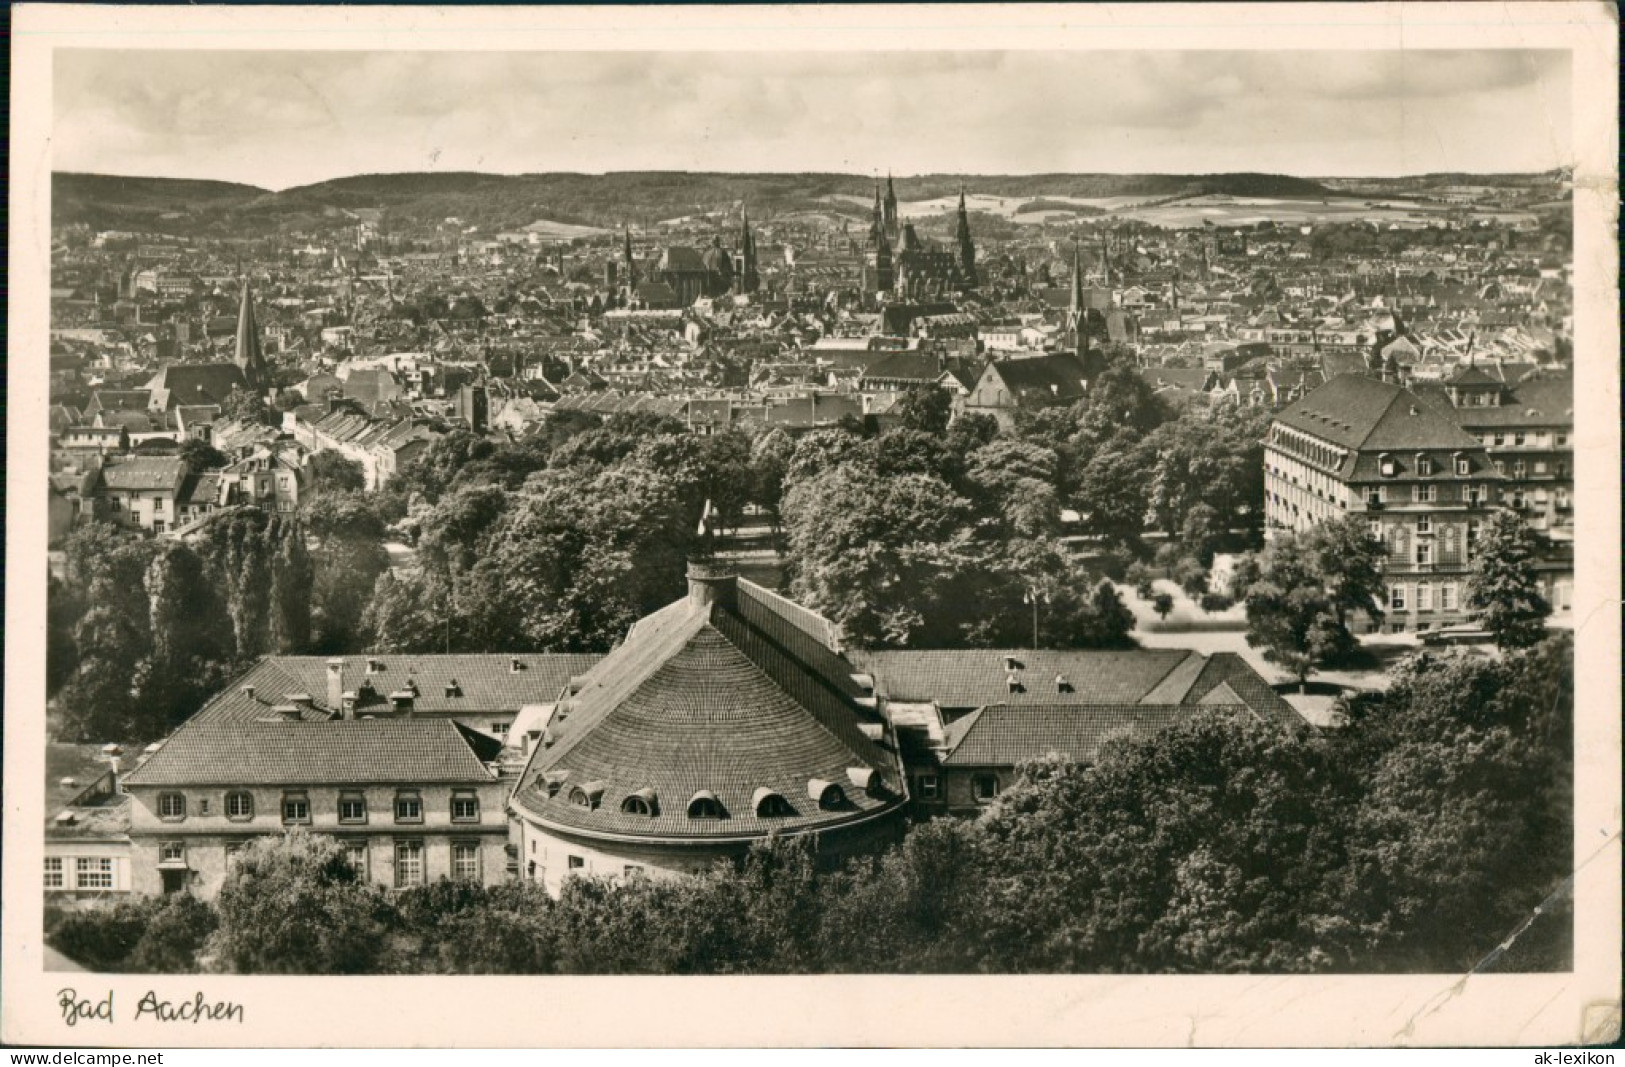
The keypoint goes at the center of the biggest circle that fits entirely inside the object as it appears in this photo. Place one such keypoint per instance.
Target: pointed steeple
(748, 279)
(249, 356)
(877, 223)
(1077, 313)
(626, 254)
(967, 247)
(1077, 283)
(891, 210)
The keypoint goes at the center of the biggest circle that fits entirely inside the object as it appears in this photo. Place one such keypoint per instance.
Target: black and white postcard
(1011, 525)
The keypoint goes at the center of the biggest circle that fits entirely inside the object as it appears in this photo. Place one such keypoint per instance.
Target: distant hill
(491, 202)
(112, 202)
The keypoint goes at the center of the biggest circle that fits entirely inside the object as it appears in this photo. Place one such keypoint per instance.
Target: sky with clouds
(279, 119)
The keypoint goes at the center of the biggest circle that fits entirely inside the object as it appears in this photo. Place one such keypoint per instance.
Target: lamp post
(1033, 596)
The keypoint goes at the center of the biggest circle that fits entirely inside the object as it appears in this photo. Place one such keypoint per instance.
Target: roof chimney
(710, 582)
(335, 683)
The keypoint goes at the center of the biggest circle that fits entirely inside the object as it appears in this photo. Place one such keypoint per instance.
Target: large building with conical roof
(723, 719)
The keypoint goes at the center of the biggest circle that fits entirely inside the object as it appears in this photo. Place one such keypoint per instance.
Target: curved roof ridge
(795, 614)
(839, 721)
(621, 674)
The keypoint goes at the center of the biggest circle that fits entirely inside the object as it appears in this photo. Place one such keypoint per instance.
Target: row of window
(409, 863)
(1521, 438)
(1476, 495)
(352, 807)
(1425, 466)
(704, 804)
(89, 872)
(984, 787)
(1399, 597)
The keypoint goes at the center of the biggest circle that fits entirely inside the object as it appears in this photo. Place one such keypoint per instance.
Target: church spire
(748, 279)
(967, 247)
(626, 254)
(249, 356)
(877, 222)
(891, 219)
(1077, 283)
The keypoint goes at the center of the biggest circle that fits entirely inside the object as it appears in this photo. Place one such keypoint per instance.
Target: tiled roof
(681, 259)
(975, 678)
(1363, 414)
(1227, 670)
(705, 698)
(196, 383)
(1003, 735)
(420, 751)
(1545, 401)
(1060, 375)
(151, 473)
(120, 399)
(904, 366)
(1007, 733)
(199, 489)
(487, 682)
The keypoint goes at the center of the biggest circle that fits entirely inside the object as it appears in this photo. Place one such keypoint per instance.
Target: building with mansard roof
(1360, 446)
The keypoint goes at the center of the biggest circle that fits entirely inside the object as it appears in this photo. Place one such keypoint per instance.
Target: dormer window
(375, 666)
(704, 805)
(640, 803)
(1062, 685)
(1463, 468)
(771, 805)
(453, 689)
(1386, 464)
(1424, 466)
(1012, 682)
(587, 795)
(828, 795)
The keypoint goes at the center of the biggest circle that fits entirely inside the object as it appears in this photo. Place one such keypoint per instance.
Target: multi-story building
(142, 492)
(267, 478)
(1527, 428)
(410, 800)
(1359, 446)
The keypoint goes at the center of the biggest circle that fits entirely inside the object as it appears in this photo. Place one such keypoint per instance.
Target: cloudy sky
(278, 119)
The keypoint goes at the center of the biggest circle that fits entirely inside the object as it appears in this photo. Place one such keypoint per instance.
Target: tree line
(1417, 839)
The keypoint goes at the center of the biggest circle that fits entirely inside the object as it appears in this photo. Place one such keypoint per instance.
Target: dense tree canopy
(1302, 589)
(294, 905)
(1503, 588)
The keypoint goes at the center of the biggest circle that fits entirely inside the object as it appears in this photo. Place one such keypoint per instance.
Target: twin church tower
(901, 264)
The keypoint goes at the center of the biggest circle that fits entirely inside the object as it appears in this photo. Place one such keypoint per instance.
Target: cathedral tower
(748, 279)
(967, 247)
(893, 230)
(249, 355)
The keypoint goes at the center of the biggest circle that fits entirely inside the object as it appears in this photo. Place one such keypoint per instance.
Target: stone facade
(190, 851)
